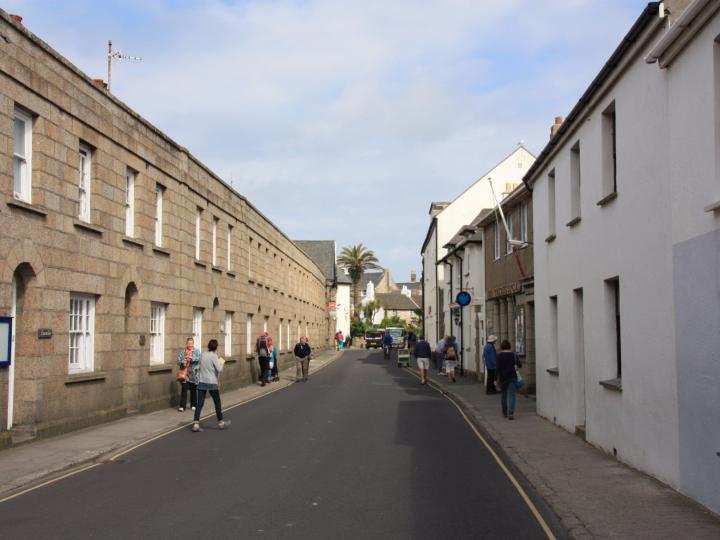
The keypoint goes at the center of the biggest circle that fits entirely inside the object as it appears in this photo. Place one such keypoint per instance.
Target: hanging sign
(5, 341)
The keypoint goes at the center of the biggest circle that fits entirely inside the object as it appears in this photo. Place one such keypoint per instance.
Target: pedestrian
(208, 369)
(341, 340)
(186, 359)
(451, 359)
(274, 365)
(411, 341)
(440, 354)
(303, 354)
(507, 366)
(490, 358)
(422, 353)
(348, 341)
(387, 344)
(263, 348)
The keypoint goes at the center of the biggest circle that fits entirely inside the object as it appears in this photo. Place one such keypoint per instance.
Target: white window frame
(84, 182)
(510, 233)
(197, 322)
(299, 330)
(287, 339)
(265, 323)
(229, 246)
(159, 196)
(228, 333)
(496, 240)
(22, 163)
(280, 334)
(248, 334)
(81, 333)
(130, 177)
(551, 204)
(524, 222)
(214, 240)
(198, 232)
(157, 333)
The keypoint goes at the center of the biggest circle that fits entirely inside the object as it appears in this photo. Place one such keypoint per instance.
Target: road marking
(533, 509)
(161, 435)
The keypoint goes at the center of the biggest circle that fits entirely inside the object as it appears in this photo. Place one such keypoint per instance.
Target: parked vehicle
(373, 338)
(399, 337)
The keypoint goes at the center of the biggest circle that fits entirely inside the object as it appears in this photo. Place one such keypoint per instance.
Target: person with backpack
(208, 369)
(451, 360)
(274, 365)
(264, 348)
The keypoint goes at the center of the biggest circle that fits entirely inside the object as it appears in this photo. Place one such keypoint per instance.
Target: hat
(492, 338)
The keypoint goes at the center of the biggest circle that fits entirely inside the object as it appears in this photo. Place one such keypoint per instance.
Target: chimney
(17, 19)
(100, 83)
(413, 276)
(556, 126)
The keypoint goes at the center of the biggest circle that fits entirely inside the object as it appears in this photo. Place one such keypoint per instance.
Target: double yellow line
(533, 509)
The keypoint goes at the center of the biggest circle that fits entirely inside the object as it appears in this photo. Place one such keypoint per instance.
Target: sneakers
(262, 383)
(195, 427)
(223, 424)
(182, 409)
(193, 408)
(511, 417)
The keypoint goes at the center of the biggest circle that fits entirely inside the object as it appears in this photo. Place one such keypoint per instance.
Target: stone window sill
(714, 207)
(217, 269)
(200, 263)
(574, 221)
(249, 357)
(161, 251)
(231, 359)
(27, 207)
(85, 377)
(133, 242)
(87, 227)
(607, 199)
(161, 368)
(230, 274)
(612, 384)
(550, 238)
(553, 371)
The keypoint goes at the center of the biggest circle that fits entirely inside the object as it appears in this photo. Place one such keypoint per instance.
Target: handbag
(182, 374)
(519, 381)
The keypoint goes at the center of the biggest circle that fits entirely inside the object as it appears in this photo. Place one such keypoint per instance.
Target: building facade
(117, 245)
(446, 220)
(509, 289)
(626, 200)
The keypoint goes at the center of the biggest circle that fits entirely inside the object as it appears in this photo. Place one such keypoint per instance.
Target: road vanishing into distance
(361, 450)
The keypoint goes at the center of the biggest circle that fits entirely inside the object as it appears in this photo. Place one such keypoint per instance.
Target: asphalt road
(360, 451)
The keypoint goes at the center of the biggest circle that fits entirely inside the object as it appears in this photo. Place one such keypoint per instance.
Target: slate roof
(397, 302)
(375, 277)
(342, 277)
(322, 252)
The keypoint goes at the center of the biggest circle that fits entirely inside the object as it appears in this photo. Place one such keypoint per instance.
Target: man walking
(490, 358)
(422, 353)
(303, 353)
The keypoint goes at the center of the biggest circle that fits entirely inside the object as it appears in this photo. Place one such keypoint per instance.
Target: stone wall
(49, 253)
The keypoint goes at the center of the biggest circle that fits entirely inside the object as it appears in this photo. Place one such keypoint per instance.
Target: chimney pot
(16, 18)
(556, 126)
(413, 276)
(99, 82)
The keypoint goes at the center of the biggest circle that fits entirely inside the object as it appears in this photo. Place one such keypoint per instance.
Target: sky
(343, 120)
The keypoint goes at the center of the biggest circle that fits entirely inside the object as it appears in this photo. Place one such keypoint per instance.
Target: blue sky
(344, 120)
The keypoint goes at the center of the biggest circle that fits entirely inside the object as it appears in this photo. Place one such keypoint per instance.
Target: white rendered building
(446, 220)
(626, 196)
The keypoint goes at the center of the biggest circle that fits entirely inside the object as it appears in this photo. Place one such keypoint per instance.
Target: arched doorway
(130, 347)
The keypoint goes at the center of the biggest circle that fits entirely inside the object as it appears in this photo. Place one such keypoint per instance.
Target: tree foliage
(357, 260)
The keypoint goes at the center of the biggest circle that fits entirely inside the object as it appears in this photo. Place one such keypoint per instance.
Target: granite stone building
(117, 244)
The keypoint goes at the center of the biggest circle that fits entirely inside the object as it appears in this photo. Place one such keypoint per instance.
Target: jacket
(422, 349)
(194, 361)
(209, 368)
(489, 355)
(506, 362)
(302, 350)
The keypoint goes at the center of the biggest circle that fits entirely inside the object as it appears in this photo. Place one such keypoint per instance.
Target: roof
(342, 277)
(397, 302)
(367, 277)
(410, 285)
(518, 193)
(648, 15)
(322, 252)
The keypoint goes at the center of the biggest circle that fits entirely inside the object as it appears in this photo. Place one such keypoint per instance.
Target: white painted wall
(665, 249)
(342, 309)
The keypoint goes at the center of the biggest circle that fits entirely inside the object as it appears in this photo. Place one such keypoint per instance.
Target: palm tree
(356, 260)
(370, 309)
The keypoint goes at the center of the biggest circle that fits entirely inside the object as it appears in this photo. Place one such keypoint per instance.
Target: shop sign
(505, 290)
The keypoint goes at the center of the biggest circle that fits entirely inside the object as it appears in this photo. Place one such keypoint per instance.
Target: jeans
(215, 395)
(184, 391)
(508, 397)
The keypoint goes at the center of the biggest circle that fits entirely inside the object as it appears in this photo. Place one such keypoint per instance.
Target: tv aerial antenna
(117, 55)
(514, 244)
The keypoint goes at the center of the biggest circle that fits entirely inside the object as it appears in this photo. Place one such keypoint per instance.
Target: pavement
(361, 451)
(593, 494)
(28, 465)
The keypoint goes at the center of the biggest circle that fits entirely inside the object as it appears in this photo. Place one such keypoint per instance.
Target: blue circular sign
(463, 298)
